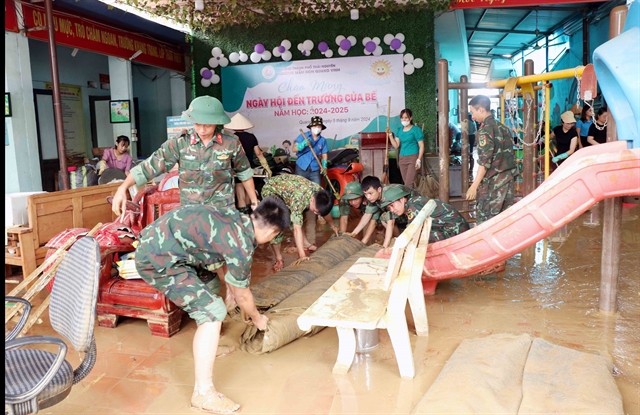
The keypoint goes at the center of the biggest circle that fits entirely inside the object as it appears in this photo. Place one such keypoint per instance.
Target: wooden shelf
(22, 243)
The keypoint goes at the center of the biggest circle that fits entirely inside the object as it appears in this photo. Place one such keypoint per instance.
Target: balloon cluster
(372, 46)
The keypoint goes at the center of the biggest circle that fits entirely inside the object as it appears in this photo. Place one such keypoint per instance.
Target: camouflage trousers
(492, 200)
(192, 286)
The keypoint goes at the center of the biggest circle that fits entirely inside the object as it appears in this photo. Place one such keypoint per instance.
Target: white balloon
(266, 55)
(243, 57)
(255, 58)
(388, 38)
(378, 51)
(408, 58)
(213, 62)
(215, 79)
(286, 43)
(328, 53)
(352, 39)
(402, 48)
(418, 63)
(342, 52)
(224, 61)
(339, 39)
(400, 37)
(234, 57)
(408, 69)
(365, 40)
(216, 51)
(205, 82)
(308, 44)
(287, 56)
(276, 52)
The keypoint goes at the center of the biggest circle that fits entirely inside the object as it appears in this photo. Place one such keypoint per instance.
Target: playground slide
(587, 177)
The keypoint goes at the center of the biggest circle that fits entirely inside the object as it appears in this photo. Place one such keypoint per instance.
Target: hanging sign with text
(350, 94)
(77, 32)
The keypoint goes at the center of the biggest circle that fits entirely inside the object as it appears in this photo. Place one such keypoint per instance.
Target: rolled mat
(275, 288)
(282, 327)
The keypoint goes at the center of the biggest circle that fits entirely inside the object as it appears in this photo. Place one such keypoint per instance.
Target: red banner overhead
(77, 32)
(487, 4)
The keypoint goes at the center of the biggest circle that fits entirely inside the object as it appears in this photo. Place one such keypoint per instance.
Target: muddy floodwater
(550, 291)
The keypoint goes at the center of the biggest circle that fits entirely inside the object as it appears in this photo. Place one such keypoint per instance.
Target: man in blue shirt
(306, 164)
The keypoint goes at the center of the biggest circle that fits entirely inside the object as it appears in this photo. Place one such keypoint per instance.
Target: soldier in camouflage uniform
(207, 157)
(493, 187)
(401, 201)
(372, 189)
(354, 198)
(299, 194)
(175, 255)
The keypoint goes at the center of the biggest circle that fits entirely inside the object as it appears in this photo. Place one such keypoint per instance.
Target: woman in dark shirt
(566, 137)
(598, 130)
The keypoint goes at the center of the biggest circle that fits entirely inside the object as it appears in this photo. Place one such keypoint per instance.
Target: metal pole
(443, 128)
(528, 150)
(532, 79)
(547, 120)
(57, 104)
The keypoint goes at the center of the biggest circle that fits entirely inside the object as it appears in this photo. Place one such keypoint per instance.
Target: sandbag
(275, 288)
(283, 327)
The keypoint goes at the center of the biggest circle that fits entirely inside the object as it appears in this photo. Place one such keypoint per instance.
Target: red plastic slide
(587, 177)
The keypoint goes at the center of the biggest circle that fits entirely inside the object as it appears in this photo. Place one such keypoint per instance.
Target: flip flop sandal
(214, 402)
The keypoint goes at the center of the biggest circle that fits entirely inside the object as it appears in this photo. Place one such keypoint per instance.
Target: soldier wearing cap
(306, 164)
(353, 198)
(401, 201)
(494, 184)
(177, 254)
(207, 158)
(373, 213)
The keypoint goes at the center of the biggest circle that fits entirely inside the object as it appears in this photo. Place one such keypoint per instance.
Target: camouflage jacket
(296, 192)
(446, 220)
(200, 235)
(205, 172)
(495, 151)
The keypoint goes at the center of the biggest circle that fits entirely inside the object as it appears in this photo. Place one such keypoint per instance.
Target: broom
(427, 184)
(385, 166)
(333, 189)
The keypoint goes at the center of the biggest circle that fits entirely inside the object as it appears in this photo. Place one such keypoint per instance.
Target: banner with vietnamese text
(350, 94)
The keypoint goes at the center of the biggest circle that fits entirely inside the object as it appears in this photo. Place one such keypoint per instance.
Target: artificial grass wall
(417, 27)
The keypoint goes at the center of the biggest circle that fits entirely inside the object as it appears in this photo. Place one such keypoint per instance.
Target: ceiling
(491, 33)
(504, 32)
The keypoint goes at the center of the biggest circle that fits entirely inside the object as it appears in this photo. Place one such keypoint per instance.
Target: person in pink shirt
(117, 157)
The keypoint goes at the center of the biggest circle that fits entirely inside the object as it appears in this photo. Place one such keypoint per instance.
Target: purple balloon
(395, 44)
(323, 47)
(345, 44)
(207, 74)
(259, 48)
(370, 46)
(282, 49)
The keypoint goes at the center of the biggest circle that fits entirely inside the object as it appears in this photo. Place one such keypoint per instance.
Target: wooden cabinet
(20, 249)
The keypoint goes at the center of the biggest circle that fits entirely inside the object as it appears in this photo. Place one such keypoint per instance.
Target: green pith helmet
(206, 110)
(352, 190)
(393, 192)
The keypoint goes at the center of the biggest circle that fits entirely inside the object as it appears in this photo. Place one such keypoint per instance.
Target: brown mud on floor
(551, 291)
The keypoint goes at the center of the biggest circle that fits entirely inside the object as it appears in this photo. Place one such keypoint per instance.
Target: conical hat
(239, 122)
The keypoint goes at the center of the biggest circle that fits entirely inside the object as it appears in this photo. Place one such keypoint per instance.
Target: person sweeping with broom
(409, 141)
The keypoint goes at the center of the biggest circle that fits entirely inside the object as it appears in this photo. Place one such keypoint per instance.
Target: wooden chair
(373, 294)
